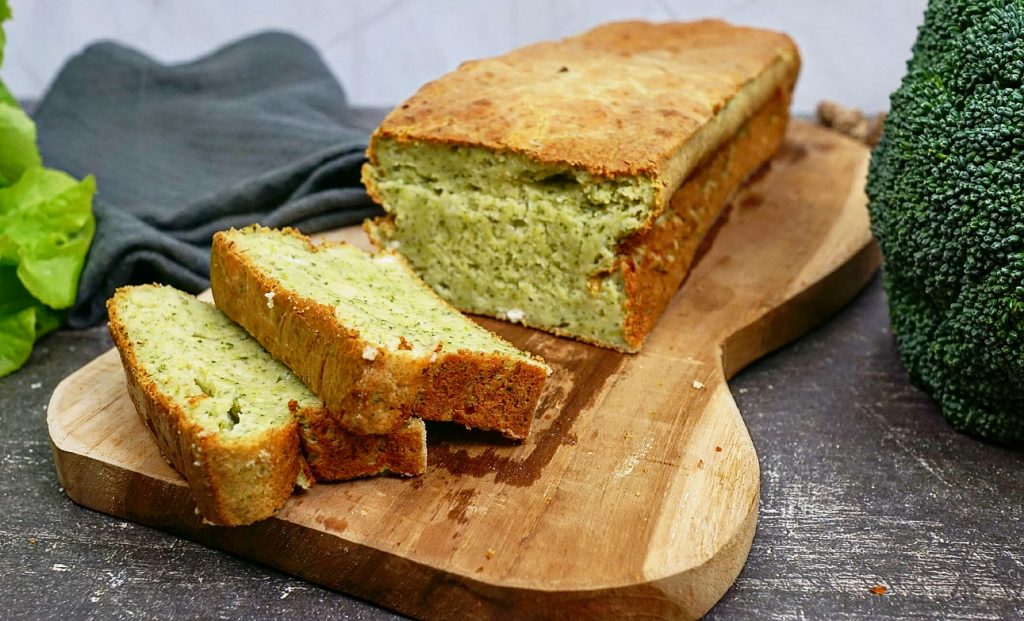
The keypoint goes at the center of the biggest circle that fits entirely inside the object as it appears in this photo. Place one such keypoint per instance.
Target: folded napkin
(259, 131)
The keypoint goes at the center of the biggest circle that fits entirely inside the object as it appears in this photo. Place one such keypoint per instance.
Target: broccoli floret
(946, 195)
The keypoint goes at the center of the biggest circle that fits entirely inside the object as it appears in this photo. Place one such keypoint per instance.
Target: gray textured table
(862, 484)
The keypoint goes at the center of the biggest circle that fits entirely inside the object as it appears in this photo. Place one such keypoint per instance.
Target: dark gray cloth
(258, 131)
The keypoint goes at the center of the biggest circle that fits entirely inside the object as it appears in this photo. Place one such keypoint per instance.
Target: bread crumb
(718, 449)
(515, 315)
(369, 353)
(879, 589)
(700, 464)
(698, 385)
(270, 298)
(852, 122)
(33, 541)
(489, 553)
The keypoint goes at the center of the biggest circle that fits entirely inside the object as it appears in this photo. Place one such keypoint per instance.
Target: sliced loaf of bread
(568, 185)
(229, 417)
(369, 337)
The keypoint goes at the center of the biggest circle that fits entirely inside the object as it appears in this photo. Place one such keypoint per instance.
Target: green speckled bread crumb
(368, 336)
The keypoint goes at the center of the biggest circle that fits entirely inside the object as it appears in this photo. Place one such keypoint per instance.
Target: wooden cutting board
(635, 495)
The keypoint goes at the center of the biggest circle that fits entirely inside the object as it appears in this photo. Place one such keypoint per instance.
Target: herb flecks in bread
(369, 337)
(529, 186)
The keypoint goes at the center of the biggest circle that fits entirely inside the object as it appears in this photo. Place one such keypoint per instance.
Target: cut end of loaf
(499, 235)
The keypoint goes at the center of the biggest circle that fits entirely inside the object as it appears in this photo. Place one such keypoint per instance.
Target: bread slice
(334, 454)
(567, 185)
(369, 337)
(229, 417)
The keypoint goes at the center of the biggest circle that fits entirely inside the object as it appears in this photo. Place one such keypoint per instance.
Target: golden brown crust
(367, 396)
(334, 454)
(482, 392)
(233, 483)
(628, 98)
(655, 262)
(373, 397)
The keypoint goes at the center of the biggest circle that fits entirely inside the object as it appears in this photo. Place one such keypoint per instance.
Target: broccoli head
(946, 196)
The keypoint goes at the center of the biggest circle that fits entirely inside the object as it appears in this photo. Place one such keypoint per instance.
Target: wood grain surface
(636, 493)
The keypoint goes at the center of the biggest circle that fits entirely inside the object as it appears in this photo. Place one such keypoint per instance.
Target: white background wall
(854, 51)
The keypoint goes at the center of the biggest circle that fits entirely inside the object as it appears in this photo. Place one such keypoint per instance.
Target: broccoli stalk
(946, 196)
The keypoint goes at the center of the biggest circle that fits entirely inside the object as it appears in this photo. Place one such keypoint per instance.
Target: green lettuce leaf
(5, 14)
(22, 320)
(46, 226)
(17, 132)
(18, 150)
(6, 97)
(17, 334)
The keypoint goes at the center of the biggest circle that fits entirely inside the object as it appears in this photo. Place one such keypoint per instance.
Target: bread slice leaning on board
(369, 337)
(236, 423)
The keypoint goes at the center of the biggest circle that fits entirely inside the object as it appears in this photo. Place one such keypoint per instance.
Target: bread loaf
(567, 185)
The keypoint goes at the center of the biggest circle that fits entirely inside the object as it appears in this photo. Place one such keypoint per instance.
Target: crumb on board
(32, 541)
(700, 464)
(718, 449)
(489, 553)
(879, 589)
(698, 385)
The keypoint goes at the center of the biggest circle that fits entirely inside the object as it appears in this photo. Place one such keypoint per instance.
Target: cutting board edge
(687, 593)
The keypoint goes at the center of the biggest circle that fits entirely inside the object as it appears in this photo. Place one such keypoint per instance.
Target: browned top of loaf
(621, 99)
